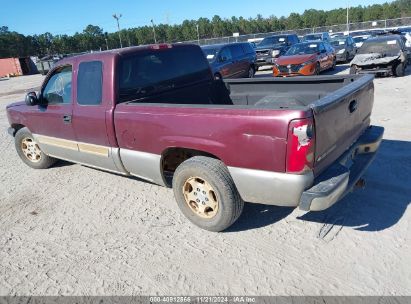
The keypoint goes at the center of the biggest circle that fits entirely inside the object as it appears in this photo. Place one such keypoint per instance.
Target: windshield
(273, 40)
(337, 42)
(303, 48)
(388, 47)
(149, 72)
(210, 53)
(359, 39)
(313, 37)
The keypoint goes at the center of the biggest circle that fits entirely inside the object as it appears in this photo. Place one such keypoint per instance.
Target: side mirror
(31, 99)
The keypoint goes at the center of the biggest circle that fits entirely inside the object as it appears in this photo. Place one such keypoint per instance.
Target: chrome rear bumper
(340, 178)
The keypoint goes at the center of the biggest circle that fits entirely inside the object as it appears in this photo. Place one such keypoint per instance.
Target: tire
(217, 76)
(399, 70)
(209, 174)
(251, 72)
(29, 151)
(334, 64)
(353, 70)
(317, 69)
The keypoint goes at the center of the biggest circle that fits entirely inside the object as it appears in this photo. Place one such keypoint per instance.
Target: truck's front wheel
(30, 152)
(206, 193)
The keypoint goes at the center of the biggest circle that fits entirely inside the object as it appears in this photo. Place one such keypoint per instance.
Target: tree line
(13, 44)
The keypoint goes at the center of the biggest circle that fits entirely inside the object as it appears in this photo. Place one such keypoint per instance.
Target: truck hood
(295, 59)
(16, 104)
(374, 58)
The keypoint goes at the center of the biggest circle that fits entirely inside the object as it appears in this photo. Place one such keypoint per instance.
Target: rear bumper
(340, 178)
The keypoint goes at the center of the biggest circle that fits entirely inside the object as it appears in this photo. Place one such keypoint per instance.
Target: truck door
(92, 116)
(51, 120)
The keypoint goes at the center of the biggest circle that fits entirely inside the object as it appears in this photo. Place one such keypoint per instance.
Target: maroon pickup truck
(156, 112)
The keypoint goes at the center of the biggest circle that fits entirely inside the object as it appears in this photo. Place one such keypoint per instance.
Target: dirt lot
(72, 230)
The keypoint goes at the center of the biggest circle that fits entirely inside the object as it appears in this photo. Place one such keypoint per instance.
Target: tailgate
(340, 118)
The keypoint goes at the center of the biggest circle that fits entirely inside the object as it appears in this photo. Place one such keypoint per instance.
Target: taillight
(300, 145)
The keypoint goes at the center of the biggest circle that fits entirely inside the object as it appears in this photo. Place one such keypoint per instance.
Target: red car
(304, 59)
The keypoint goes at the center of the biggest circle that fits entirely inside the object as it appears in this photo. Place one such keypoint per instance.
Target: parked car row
(311, 54)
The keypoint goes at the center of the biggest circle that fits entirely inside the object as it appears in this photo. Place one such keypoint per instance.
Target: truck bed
(193, 111)
(290, 93)
(341, 106)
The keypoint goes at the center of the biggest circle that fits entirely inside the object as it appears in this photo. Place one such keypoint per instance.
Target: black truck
(273, 47)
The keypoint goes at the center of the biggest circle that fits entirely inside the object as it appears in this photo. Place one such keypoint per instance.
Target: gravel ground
(72, 230)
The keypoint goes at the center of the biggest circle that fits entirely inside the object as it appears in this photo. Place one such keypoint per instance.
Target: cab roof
(122, 51)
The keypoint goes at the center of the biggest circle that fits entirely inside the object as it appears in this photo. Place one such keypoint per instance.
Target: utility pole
(117, 17)
(348, 23)
(154, 31)
(198, 35)
(105, 38)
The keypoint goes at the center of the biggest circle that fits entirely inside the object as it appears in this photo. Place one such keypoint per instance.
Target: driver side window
(58, 88)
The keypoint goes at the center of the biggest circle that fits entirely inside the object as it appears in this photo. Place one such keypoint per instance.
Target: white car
(407, 36)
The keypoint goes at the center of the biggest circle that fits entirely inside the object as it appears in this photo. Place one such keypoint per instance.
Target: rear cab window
(153, 71)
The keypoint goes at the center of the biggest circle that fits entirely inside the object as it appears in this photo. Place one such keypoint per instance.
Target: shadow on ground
(379, 206)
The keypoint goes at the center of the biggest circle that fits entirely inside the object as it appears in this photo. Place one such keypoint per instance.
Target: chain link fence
(368, 25)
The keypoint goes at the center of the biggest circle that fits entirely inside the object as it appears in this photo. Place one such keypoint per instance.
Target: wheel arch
(172, 157)
(17, 127)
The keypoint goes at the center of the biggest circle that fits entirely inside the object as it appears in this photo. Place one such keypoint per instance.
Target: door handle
(353, 106)
(67, 118)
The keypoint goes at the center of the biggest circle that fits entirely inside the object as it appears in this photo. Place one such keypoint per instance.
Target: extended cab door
(52, 119)
(93, 115)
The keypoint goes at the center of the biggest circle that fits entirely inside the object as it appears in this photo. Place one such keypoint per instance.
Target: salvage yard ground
(73, 230)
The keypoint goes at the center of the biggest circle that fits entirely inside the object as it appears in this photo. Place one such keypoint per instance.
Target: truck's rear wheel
(206, 193)
(30, 152)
